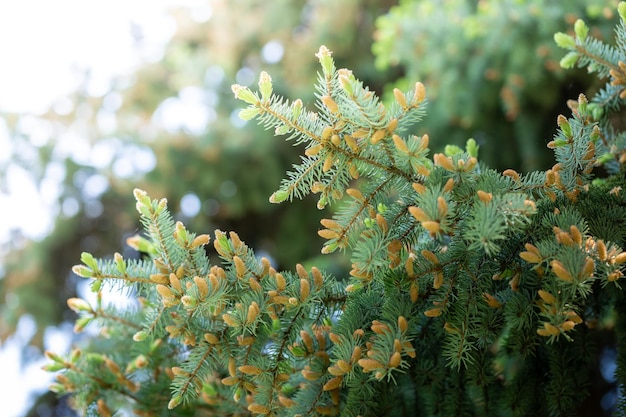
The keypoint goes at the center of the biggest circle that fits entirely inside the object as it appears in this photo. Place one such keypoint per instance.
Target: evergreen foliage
(472, 292)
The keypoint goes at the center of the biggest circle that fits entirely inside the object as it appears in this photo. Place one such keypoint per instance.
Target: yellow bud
(230, 320)
(448, 186)
(395, 360)
(619, 259)
(419, 214)
(601, 248)
(211, 338)
(443, 161)
(250, 370)
(379, 327)
(576, 235)
(253, 312)
(588, 268)
(318, 278)
(328, 163)
(402, 324)
(310, 375)
(258, 409)
(330, 104)
(430, 256)
(369, 365)
(202, 285)
(159, 279)
(551, 329)
(240, 267)
(484, 196)
(560, 271)
(491, 300)
(530, 257)
(175, 282)
(419, 188)
(431, 226)
(286, 402)
(307, 340)
(400, 144)
(164, 291)
(567, 325)
(200, 240)
(314, 150)
(344, 366)
(356, 194)
(333, 383)
(433, 312)
(438, 281)
(351, 143)
(400, 98)
(103, 409)
(547, 297)
(305, 289)
(511, 173)
(378, 136)
(280, 282)
(414, 291)
(420, 93)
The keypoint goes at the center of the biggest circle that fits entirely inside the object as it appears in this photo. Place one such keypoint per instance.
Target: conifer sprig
(459, 274)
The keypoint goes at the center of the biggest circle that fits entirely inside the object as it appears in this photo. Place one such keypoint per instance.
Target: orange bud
(560, 271)
(280, 282)
(438, 281)
(484, 196)
(443, 161)
(369, 365)
(491, 300)
(511, 173)
(402, 324)
(400, 144)
(330, 104)
(240, 267)
(286, 402)
(420, 93)
(378, 136)
(530, 257)
(547, 297)
(400, 98)
(431, 257)
(448, 186)
(419, 188)
(351, 143)
(601, 248)
(619, 259)
(333, 383)
(395, 360)
(588, 268)
(258, 408)
(419, 214)
(253, 313)
(232, 367)
(433, 312)
(576, 235)
(431, 226)
(356, 194)
(305, 289)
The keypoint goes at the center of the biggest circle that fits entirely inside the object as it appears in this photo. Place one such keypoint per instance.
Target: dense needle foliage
(472, 291)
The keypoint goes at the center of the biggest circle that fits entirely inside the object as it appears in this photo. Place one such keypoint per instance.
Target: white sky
(44, 44)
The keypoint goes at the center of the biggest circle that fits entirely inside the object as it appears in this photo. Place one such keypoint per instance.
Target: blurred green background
(170, 126)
